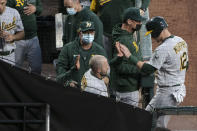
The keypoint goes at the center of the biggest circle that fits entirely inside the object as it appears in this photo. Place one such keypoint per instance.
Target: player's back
(173, 69)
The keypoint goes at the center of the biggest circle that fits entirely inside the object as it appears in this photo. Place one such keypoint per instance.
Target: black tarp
(71, 109)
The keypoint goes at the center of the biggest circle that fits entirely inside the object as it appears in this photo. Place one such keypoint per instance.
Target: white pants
(164, 98)
(131, 98)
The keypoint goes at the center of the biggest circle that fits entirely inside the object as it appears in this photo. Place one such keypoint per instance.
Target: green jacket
(66, 61)
(29, 22)
(124, 75)
(72, 25)
(110, 12)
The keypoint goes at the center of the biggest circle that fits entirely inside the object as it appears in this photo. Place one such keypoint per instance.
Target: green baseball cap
(132, 13)
(86, 26)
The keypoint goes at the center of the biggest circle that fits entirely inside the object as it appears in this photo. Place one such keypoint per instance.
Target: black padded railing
(43, 115)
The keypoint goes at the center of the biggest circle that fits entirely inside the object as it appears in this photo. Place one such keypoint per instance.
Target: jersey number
(183, 61)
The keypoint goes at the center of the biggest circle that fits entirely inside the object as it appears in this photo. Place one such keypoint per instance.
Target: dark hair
(157, 25)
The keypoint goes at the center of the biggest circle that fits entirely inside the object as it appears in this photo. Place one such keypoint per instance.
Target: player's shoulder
(88, 11)
(88, 77)
(88, 14)
(171, 41)
(163, 46)
(87, 73)
(174, 39)
(97, 47)
(71, 45)
(177, 39)
(11, 10)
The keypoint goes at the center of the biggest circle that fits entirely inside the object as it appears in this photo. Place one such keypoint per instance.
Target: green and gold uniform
(66, 70)
(29, 21)
(110, 11)
(124, 75)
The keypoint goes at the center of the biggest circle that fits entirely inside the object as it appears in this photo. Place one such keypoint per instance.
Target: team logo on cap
(162, 24)
(88, 24)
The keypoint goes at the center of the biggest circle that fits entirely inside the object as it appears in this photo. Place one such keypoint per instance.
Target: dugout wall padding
(71, 109)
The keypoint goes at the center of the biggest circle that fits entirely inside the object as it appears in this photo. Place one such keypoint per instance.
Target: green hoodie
(29, 21)
(66, 70)
(110, 11)
(125, 76)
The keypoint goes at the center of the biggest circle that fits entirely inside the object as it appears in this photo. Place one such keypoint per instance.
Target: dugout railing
(41, 116)
(183, 110)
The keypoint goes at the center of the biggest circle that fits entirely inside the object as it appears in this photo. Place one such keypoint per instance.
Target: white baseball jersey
(94, 85)
(10, 21)
(170, 58)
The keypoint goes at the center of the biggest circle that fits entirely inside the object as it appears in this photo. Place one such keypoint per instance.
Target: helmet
(155, 26)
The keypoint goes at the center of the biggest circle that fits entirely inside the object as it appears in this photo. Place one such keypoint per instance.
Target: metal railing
(26, 108)
(184, 110)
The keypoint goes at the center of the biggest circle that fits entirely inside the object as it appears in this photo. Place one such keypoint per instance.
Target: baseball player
(29, 48)
(73, 60)
(95, 80)
(11, 29)
(170, 60)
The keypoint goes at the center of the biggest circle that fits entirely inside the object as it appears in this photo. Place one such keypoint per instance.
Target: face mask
(87, 38)
(71, 11)
(138, 27)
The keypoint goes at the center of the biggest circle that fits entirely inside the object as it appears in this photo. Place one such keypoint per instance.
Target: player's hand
(120, 54)
(73, 84)
(141, 12)
(125, 51)
(29, 9)
(77, 62)
(3, 34)
(9, 38)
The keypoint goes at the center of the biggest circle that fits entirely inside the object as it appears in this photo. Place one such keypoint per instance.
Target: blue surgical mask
(71, 11)
(87, 38)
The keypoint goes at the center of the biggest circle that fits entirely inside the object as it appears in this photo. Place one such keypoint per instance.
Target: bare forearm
(19, 36)
(140, 64)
